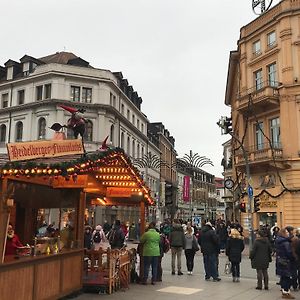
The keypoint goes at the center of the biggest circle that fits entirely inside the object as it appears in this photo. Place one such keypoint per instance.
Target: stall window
(2, 133)
(88, 134)
(41, 129)
(19, 131)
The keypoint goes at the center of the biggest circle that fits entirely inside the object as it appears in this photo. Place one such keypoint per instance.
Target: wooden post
(80, 219)
(142, 230)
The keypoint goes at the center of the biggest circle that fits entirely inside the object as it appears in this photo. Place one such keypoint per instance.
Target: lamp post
(193, 162)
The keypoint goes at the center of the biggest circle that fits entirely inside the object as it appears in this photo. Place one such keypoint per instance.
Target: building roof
(58, 57)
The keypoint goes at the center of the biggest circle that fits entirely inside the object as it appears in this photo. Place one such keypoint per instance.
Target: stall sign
(118, 192)
(41, 149)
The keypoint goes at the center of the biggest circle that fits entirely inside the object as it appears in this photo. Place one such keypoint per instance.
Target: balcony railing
(263, 153)
(264, 94)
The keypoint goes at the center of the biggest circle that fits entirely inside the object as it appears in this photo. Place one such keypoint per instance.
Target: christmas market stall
(45, 188)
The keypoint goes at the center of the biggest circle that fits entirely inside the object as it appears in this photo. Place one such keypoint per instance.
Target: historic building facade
(263, 90)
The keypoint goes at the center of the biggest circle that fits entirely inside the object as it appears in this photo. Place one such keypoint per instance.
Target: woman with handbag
(261, 256)
(234, 248)
(191, 247)
(284, 258)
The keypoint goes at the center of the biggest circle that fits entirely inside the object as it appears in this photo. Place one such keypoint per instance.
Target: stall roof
(107, 176)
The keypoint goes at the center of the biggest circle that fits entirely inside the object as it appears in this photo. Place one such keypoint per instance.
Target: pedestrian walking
(234, 248)
(151, 252)
(284, 258)
(191, 247)
(209, 244)
(177, 242)
(261, 256)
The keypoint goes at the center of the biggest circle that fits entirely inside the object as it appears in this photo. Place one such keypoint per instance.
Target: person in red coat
(12, 241)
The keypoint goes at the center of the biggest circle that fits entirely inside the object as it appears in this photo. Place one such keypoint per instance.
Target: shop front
(45, 201)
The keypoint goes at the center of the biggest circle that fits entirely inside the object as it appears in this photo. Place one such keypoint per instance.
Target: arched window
(2, 133)
(122, 140)
(112, 129)
(133, 148)
(88, 134)
(128, 145)
(19, 131)
(41, 129)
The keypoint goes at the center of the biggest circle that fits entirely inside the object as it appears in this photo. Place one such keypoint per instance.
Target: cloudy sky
(173, 52)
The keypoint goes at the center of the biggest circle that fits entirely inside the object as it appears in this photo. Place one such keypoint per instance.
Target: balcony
(262, 156)
(262, 99)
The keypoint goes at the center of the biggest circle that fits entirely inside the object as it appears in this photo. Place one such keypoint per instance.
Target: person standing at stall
(116, 236)
(12, 241)
(151, 252)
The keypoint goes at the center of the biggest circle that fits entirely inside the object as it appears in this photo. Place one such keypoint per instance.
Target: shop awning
(108, 177)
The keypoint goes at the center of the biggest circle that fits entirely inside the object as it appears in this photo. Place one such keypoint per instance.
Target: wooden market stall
(58, 188)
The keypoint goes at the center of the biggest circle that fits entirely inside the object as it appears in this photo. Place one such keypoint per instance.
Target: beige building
(263, 90)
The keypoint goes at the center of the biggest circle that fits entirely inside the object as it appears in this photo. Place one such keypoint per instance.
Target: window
(39, 92)
(75, 93)
(122, 109)
(19, 131)
(258, 79)
(138, 151)
(256, 48)
(128, 114)
(271, 39)
(128, 145)
(21, 97)
(142, 128)
(133, 119)
(2, 133)
(86, 95)
(41, 129)
(138, 124)
(122, 140)
(48, 91)
(275, 132)
(272, 75)
(88, 134)
(259, 127)
(112, 99)
(142, 151)
(112, 129)
(4, 100)
(133, 148)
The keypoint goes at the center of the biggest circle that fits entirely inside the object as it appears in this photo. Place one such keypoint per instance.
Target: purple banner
(186, 188)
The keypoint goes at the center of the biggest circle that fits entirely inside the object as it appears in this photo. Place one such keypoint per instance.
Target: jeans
(189, 255)
(176, 252)
(153, 262)
(262, 274)
(235, 269)
(285, 283)
(159, 269)
(210, 266)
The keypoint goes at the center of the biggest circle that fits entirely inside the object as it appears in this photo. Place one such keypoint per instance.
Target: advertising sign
(41, 149)
(186, 188)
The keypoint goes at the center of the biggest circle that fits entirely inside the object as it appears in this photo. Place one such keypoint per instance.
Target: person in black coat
(261, 256)
(88, 238)
(234, 248)
(284, 260)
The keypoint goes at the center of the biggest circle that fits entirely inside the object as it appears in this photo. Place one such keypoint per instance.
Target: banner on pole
(186, 188)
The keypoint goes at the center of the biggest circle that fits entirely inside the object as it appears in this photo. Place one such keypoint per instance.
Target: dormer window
(26, 67)
(256, 48)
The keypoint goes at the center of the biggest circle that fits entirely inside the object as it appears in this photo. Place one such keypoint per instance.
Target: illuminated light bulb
(16, 171)
(39, 171)
(27, 171)
(32, 171)
(44, 171)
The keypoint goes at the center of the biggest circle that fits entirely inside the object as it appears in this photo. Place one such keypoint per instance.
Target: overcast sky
(173, 52)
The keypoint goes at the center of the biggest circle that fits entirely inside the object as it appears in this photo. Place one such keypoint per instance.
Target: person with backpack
(98, 237)
(116, 236)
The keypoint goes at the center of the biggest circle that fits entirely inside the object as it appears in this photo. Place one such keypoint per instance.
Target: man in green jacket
(151, 252)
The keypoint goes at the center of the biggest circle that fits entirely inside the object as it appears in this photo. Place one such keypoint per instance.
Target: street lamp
(193, 162)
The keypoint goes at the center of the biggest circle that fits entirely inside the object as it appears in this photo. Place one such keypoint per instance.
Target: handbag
(283, 262)
(195, 245)
(227, 269)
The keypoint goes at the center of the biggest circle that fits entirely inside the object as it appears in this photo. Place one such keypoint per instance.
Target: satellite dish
(259, 7)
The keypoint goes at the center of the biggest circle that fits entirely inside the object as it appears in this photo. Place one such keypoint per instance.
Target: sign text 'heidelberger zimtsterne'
(41, 149)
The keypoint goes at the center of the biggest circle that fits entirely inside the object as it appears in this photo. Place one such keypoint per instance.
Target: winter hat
(98, 227)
